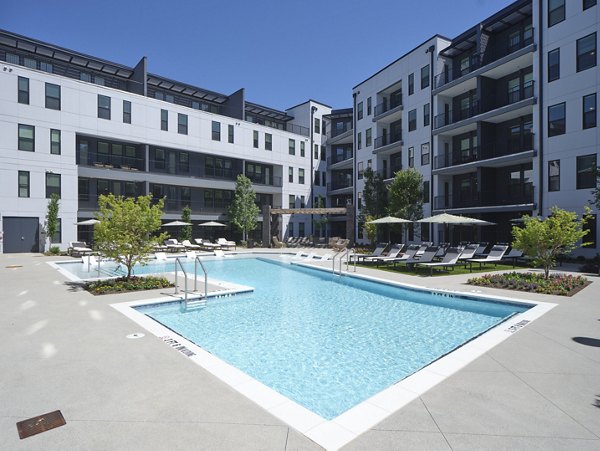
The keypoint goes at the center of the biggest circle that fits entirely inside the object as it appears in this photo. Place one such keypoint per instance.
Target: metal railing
(339, 158)
(196, 261)
(517, 194)
(336, 131)
(384, 107)
(384, 140)
(185, 288)
(453, 116)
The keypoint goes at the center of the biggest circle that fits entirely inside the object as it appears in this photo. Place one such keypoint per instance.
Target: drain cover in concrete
(41, 423)
(135, 335)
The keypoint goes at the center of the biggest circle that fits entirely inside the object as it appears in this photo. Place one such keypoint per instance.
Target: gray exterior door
(21, 234)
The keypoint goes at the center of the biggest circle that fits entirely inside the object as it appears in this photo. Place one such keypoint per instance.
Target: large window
(411, 157)
(586, 171)
(164, 120)
(368, 137)
(554, 175)
(359, 111)
(586, 52)
(103, 107)
(292, 147)
(589, 111)
(23, 90)
(52, 96)
(182, 124)
(291, 202)
(556, 12)
(52, 184)
(255, 139)
(268, 141)
(302, 149)
(412, 120)
(426, 114)
(425, 77)
(426, 192)
(230, 134)
(588, 4)
(359, 140)
(369, 106)
(216, 131)
(317, 125)
(301, 176)
(126, 112)
(291, 174)
(26, 138)
(411, 84)
(425, 154)
(556, 120)
(553, 65)
(55, 142)
(24, 184)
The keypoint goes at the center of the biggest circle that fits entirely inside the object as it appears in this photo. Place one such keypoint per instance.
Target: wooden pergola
(269, 212)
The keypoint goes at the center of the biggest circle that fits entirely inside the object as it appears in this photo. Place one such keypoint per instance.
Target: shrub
(557, 284)
(54, 250)
(124, 284)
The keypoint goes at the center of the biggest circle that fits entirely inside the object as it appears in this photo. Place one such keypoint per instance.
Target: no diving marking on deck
(178, 346)
(515, 327)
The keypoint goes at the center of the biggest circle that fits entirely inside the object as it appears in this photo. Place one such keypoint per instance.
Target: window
(324, 127)
(317, 125)
(588, 4)
(586, 171)
(268, 141)
(425, 77)
(301, 229)
(412, 120)
(589, 111)
(426, 114)
(592, 228)
(556, 120)
(126, 112)
(359, 140)
(323, 157)
(359, 111)
(369, 106)
(292, 146)
(103, 107)
(291, 201)
(324, 178)
(411, 84)
(52, 96)
(361, 170)
(411, 157)
(164, 120)
(23, 95)
(556, 12)
(52, 184)
(291, 174)
(316, 153)
(424, 154)
(29, 62)
(317, 178)
(586, 52)
(368, 137)
(55, 142)
(230, 134)
(182, 124)
(301, 176)
(216, 131)
(27, 138)
(426, 192)
(302, 151)
(23, 183)
(554, 175)
(553, 65)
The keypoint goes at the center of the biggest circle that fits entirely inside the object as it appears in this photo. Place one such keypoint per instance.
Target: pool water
(326, 342)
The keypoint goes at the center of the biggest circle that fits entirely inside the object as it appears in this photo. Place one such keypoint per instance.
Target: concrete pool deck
(66, 349)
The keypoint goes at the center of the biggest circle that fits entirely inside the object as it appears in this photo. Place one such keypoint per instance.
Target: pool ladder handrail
(345, 254)
(196, 261)
(185, 291)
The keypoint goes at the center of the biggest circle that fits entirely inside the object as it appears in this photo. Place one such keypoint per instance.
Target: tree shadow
(75, 287)
(597, 401)
(587, 341)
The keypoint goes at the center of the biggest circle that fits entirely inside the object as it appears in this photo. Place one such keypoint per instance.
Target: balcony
(388, 111)
(297, 129)
(521, 194)
(265, 181)
(387, 143)
(111, 161)
(454, 116)
(341, 184)
(340, 134)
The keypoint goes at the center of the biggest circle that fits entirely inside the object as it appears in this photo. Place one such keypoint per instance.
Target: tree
(243, 211)
(186, 216)
(322, 219)
(374, 193)
(51, 225)
(405, 195)
(545, 239)
(126, 228)
(371, 229)
(596, 191)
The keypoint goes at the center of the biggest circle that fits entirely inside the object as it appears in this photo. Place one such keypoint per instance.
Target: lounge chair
(78, 248)
(206, 245)
(333, 240)
(449, 261)
(174, 246)
(276, 243)
(160, 256)
(513, 255)
(226, 244)
(481, 250)
(219, 253)
(468, 252)
(190, 246)
(376, 253)
(424, 245)
(427, 257)
(392, 254)
(341, 245)
(495, 256)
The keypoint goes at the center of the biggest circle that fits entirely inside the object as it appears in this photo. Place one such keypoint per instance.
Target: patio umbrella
(88, 222)
(389, 220)
(448, 219)
(211, 224)
(178, 224)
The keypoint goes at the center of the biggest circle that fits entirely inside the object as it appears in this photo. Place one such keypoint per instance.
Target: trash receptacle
(250, 243)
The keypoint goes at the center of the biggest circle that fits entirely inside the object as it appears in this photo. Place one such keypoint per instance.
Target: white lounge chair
(226, 244)
(495, 256)
(207, 245)
(449, 261)
(174, 246)
(189, 245)
(160, 256)
(219, 253)
(78, 248)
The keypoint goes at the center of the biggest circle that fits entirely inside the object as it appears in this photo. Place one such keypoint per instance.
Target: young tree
(322, 220)
(126, 228)
(51, 225)
(186, 216)
(545, 239)
(405, 195)
(596, 191)
(243, 211)
(371, 229)
(374, 193)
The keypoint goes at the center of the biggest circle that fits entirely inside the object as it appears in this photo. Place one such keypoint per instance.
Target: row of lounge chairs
(172, 245)
(335, 243)
(443, 256)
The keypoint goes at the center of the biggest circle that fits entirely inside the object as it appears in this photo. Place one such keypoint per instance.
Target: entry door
(21, 234)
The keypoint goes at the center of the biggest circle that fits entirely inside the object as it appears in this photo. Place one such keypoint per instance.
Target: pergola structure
(269, 212)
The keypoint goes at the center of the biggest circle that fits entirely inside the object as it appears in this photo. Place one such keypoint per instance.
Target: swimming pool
(326, 342)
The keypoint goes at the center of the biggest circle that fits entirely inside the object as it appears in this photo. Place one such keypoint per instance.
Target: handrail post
(196, 261)
(185, 286)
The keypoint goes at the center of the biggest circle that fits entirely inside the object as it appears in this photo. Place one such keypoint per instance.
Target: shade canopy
(88, 222)
(389, 220)
(446, 218)
(176, 223)
(211, 224)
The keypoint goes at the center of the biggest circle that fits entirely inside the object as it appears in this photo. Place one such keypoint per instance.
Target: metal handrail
(196, 261)
(177, 281)
(341, 257)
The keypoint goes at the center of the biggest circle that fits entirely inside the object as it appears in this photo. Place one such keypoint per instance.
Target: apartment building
(80, 126)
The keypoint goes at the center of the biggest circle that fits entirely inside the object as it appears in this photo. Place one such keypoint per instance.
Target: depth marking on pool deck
(176, 345)
(515, 327)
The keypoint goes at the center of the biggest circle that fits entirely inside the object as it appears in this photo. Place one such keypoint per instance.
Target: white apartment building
(80, 126)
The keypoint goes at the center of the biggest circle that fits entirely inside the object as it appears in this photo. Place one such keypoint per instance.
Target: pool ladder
(344, 254)
(201, 301)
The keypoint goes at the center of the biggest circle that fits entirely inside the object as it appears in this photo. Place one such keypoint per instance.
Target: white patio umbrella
(449, 219)
(211, 224)
(88, 222)
(176, 224)
(389, 220)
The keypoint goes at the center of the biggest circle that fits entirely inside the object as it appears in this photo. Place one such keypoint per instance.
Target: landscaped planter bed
(556, 284)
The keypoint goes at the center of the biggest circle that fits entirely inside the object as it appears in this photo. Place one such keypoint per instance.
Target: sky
(283, 52)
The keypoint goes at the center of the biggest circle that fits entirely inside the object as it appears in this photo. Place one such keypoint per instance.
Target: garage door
(21, 234)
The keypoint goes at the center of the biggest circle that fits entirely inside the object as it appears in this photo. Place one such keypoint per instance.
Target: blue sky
(282, 51)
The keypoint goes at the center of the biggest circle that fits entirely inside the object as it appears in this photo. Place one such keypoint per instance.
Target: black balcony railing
(339, 130)
(453, 116)
(384, 140)
(339, 184)
(221, 173)
(297, 129)
(262, 180)
(339, 157)
(515, 195)
(111, 161)
(384, 107)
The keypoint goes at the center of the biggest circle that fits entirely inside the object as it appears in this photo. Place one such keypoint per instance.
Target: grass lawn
(424, 272)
